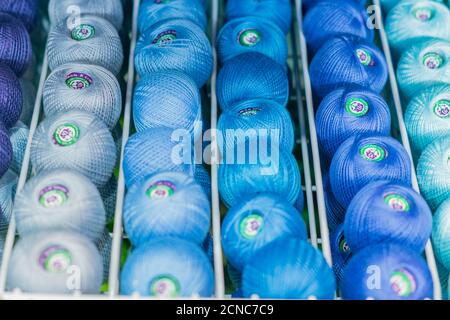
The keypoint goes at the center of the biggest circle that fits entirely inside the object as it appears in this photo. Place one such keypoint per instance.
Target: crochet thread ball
(441, 233)
(11, 98)
(335, 211)
(24, 10)
(6, 150)
(340, 252)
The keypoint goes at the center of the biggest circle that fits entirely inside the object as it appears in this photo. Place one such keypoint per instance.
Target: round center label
(442, 108)
(78, 80)
(402, 283)
(165, 38)
(423, 13)
(432, 60)
(249, 37)
(66, 134)
(356, 107)
(53, 196)
(83, 32)
(364, 57)
(251, 226)
(55, 259)
(344, 249)
(162, 1)
(397, 202)
(249, 112)
(164, 286)
(372, 152)
(160, 190)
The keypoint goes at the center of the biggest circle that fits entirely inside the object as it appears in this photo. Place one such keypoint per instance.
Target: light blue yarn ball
(344, 61)
(433, 172)
(28, 98)
(349, 111)
(427, 116)
(155, 11)
(340, 252)
(424, 65)
(251, 76)
(75, 140)
(8, 184)
(386, 212)
(168, 268)
(18, 135)
(441, 234)
(288, 268)
(363, 159)
(202, 177)
(62, 200)
(252, 34)
(168, 204)
(175, 45)
(253, 223)
(41, 263)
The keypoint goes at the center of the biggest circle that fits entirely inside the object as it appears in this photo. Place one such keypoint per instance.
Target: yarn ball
(433, 172)
(427, 116)
(443, 279)
(307, 4)
(387, 212)
(387, 272)
(363, 159)
(387, 5)
(252, 34)
(75, 140)
(44, 262)
(166, 204)
(18, 135)
(344, 61)
(168, 268)
(340, 252)
(6, 150)
(91, 41)
(424, 65)
(15, 50)
(251, 76)
(335, 211)
(288, 268)
(8, 184)
(87, 88)
(175, 45)
(441, 234)
(28, 99)
(11, 98)
(62, 200)
(253, 223)
(24, 10)
(202, 177)
(347, 112)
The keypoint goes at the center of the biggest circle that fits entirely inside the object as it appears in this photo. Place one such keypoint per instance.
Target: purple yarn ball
(10, 96)
(6, 151)
(24, 10)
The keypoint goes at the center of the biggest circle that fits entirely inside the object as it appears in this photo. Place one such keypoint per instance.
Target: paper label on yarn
(55, 259)
(432, 60)
(364, 57)
(344, 248)
(66, 134)
(372, 152)
(422, 13)
(249, 112)
(78, 80)
(83, 32)
(356, 107)
(160, 190)
(403, 283)
(397, 202)
(164, 286)
(251, 226)
(442, 108)
(162, 1)
(165, 38)
(249, 37)
(53, 196)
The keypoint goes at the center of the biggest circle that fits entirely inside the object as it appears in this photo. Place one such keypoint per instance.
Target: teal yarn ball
(8, 184)
(427, 116)
(441, 234)
(387, 5)
(43, 262)
(424, 65)
(88, 88)
(252, 34)
(167, 268)
(251, 224)
(75, 140)
(340, 252)
(18, 135)
(433, 172)
(167, 204)
(288, 268)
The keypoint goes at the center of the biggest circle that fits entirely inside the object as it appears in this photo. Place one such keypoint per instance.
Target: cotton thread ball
(167, 268)
(252, 34)
(276, 11)
(28, 99)
(8, 185)
(92, 40)
(175, 45)
(387, 5)
(11, 97)
(152, 12)
(307, 4)
(15, 50)
(251, 76)
(403, 275)
(41, 263)
(60, 10)
(441, 233)
(363, 159)
(335, 211)
(288, 268)
(410, 22)
(427, 116)
(169, 204)
(74, 140)
(202, 177)
(24, 10)
(433, 172)
(344, 61)
(347, 112)
(252, 224)
(87, 88)
(386, 212)
(340, 252)
(18, 136)
(264, 118)
(340, 18)
(424, 65)
(6, 150)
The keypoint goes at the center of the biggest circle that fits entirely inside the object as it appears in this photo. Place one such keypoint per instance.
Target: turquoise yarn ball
(387, 5)
(18, 135)
(441, 234)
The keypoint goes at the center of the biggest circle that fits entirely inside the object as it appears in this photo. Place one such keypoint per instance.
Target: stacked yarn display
(60, 213)
(167, 212)
(419, 35)
(263, 235)
(376, 218)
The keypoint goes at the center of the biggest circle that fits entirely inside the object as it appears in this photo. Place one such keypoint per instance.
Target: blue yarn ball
(335, 211)
(167, 268)
(328, 19)
(363, 159)
(175, 45)
(288, 268)
(166, 204)
(307, 4)
(276, 11)
(441, 234)
(387, 272)
(252, 34)
(340, 252)
(11, 97)
(6, 150)
(427, 116)
(433, 172)
(349, 111)
(24, 10)
(8, 184)
(155, 11)
(265, 118)
(18, 135)
(424, 65)
(387, 212)
(251, 76)
(344, 61)
(252, 224)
